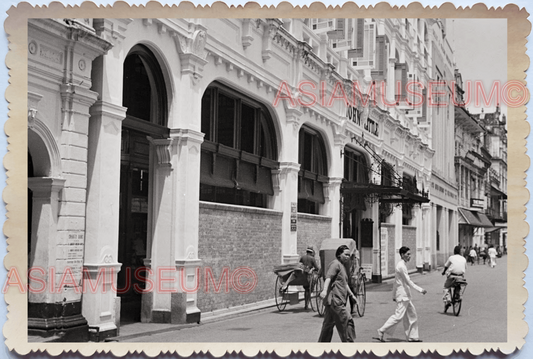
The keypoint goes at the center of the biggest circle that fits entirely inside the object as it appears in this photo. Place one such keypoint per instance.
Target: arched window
(239, 149)
(409, 184)
(144, 92)
(387, 177)
(313, 170)
(355, 167)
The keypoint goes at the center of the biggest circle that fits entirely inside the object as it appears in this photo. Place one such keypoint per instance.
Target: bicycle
(455, 293)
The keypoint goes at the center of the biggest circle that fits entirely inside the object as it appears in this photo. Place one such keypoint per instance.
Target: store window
(355, 167)
(313, 171)
(239, 150)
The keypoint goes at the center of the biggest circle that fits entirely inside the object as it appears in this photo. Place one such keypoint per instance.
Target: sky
(480, 52)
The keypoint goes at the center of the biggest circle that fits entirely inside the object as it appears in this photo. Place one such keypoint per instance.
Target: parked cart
(290, 279)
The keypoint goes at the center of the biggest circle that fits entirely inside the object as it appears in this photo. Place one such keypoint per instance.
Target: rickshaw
(356, 276)
(289, 278)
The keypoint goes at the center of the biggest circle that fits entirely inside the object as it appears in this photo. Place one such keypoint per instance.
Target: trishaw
(289, 278)
(356, 276)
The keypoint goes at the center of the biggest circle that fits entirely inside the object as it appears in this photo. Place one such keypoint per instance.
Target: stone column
(332, 195)
(173, 252)
(184, 305)
(426, 235)
(288, 192)
(161, 228)
(56, 307)
(434, 229)
(101, 306)
(44, 226)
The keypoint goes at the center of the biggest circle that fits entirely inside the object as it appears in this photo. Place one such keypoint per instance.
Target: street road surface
(483, 316)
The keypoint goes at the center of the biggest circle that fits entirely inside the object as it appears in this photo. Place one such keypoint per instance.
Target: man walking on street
(401, 294)
(335, 293)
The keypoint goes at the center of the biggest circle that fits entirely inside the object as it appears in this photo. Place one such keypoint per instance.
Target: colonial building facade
(173, 163)
(495, 140)
(472, 163)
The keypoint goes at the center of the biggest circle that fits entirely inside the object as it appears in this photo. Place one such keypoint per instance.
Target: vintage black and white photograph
(268, 180)
(219, 179)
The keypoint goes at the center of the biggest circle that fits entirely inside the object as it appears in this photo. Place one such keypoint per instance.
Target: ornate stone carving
(270, 29)
(192, 53)
(163, 151)
(247, 28)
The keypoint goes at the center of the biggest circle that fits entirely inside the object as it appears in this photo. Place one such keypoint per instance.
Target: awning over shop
(473, 218)
(388, 194)
(496, 191)
(493, 229)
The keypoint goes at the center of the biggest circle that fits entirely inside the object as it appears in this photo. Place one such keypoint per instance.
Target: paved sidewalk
(137, 330)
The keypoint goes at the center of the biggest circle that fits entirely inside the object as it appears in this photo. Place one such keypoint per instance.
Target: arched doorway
(145, 97)
(356, 171)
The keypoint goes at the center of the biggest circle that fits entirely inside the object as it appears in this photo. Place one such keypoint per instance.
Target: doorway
(133, 223)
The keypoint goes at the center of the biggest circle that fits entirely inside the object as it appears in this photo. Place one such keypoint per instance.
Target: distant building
(495, 140)
(472, 163)
(441, 119)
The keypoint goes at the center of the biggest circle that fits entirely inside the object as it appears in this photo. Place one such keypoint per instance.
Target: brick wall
(409, 240)
(312, 230)
(233, 237)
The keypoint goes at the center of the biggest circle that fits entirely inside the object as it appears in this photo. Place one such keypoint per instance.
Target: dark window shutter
(360, 33)
(424, 105)
(404, 81)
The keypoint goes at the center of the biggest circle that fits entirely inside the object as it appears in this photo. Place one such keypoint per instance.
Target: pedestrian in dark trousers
(335, 294)
(484, 255)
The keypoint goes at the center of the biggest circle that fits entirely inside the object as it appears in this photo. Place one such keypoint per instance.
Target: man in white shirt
(454, 267)
(401, 294)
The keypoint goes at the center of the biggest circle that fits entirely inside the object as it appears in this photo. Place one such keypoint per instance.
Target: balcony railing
(497, 214)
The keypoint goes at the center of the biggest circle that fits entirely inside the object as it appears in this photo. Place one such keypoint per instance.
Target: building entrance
(133, 224)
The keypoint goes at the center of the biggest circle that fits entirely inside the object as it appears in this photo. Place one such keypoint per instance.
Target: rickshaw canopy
(329, 247)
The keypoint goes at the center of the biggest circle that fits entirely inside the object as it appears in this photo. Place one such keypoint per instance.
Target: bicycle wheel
(457, 302)
(280, 295)
(361, 296)
(319, 301)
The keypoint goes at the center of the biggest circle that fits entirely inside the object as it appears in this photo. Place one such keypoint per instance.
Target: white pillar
(101, 306)
(288, 193)
(44, 239)
(332, 194)
(184, 306)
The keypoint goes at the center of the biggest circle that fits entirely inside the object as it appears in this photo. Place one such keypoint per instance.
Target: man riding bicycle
(454, 268)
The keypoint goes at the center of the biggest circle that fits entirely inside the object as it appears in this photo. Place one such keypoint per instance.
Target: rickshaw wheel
(313, 292)
(361, 297)
(319, 302)
(280, 295)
